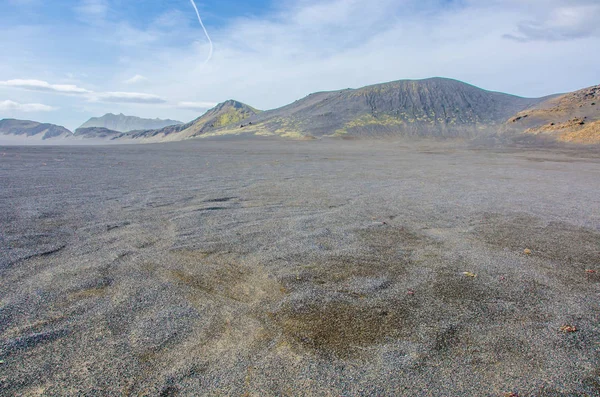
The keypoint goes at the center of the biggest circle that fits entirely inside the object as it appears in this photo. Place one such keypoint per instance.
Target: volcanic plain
(266, 267)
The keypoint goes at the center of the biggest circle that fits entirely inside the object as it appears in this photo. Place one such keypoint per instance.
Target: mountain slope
(123, 123)
(436, 107)
(572, 117)
(27, 129)
(97, 133)
(227, 114)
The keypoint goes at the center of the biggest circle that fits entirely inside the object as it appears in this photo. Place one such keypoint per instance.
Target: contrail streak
(210, 51)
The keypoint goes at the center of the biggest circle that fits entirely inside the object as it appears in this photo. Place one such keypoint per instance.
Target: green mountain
(229, 114)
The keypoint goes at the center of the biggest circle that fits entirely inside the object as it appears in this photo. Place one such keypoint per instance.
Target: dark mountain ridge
(97, 133)
(436, 107)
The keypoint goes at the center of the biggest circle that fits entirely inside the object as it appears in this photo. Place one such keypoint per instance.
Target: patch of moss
(368, 120)
(231, 116)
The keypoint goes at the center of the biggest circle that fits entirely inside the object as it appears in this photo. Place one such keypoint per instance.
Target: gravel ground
(257, 267)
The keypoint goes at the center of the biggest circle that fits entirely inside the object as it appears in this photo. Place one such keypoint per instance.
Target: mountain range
(435, 107)
(123, 123)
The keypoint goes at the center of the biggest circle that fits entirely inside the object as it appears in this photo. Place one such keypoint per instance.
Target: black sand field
(280, 268)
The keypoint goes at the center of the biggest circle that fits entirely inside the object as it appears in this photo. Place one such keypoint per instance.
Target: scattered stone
(410, 292)
(567, 329)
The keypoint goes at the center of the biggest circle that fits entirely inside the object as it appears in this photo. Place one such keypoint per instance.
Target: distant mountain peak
(227, 114)
(122, 123)
(32, 129)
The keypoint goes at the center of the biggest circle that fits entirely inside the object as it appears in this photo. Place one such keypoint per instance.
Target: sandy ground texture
(277, 268)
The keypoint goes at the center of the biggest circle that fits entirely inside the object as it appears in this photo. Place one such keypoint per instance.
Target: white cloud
(127, 97)
(23, 2)
(561, 23)
(128, 36)
(296, 47)
(115, 97)
(92, 9)
(138, 78)
(39, 85)
(333, 44)
(25, 107)
(196, 105)
(171, 18)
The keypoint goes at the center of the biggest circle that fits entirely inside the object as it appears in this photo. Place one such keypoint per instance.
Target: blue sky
(67, 60)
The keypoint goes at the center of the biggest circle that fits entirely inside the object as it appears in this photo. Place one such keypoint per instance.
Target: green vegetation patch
(368, 120)
(231, 116)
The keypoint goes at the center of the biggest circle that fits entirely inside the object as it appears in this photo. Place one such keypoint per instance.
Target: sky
(64, 61)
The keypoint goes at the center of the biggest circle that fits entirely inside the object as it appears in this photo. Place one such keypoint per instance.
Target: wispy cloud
(128, 97)
(25, 107)
(92, 9)
(23, 2)
(138, 78)
(196, 105)
(564, 23)
(290, 49)
(114, 97)
(39, 85)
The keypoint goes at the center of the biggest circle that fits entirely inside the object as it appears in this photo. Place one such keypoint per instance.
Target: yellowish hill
(573, 117)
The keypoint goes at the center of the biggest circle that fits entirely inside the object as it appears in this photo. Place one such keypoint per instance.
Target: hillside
(123, 123)
(97, 133)
(435, 107)
(27, 129)
(227, 114)
(572, 117)
(430, 108)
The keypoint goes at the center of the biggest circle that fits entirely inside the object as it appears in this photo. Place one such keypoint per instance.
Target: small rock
(567, 329)
(527, 251)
